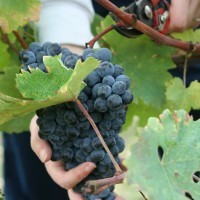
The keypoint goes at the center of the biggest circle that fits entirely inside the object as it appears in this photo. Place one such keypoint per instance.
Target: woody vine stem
(130, 20)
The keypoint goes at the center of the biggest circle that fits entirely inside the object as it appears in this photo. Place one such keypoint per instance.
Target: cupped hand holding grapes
(66, 179)
(57, 171)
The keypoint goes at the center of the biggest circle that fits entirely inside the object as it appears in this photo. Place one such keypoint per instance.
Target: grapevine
(130, 20)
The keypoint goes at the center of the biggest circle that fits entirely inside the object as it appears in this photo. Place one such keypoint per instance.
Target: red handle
(155, 2)
(158, 24)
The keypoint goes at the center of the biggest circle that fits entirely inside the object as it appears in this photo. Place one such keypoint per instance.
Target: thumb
(41, 147)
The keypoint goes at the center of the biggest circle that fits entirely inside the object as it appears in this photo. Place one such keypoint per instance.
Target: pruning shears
(154, 13)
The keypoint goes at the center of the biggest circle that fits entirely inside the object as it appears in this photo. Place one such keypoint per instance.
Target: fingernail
(43, 155)
(89, 167)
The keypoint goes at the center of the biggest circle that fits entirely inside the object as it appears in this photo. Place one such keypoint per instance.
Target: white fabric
(66, 21)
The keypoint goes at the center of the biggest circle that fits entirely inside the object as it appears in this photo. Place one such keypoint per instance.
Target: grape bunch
(65, 127)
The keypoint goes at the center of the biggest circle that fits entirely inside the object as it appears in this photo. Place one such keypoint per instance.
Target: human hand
(57, 171)
(66, 179)
(184, 14)
(75, 196)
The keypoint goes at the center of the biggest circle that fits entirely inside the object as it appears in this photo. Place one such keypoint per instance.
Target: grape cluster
(65, 127)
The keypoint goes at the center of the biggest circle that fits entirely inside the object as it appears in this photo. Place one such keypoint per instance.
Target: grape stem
(185, 69)
(143, 195)
(97, 37)
(130, 20)
(5, 39)
(117, 167)
(21, 40)
(196, 178)
(97, 186)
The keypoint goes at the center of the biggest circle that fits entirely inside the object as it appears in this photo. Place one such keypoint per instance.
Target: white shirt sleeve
(66, 21)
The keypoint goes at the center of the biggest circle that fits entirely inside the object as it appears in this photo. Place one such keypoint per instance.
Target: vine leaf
(128, 192)
(181, 97)
(15, 13)
(39, 85)
(194, 91)
(8, 83)
(188, 35)
(4, 55)
(142, 111)
(166, 157)
(18, 124)
(11, 108)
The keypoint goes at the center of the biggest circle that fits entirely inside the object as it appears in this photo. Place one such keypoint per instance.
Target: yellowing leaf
(39, 85)
(188, 35)
(183, 98)
(17, 13)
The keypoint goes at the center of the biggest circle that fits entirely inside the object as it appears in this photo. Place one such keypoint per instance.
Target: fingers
(39, 146)
(68, 179)
(178, 15)
(57, 171)
(183, 15)
(118, 198)
(73, 195)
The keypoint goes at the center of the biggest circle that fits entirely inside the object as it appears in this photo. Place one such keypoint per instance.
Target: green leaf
(144, 62)
(194, 91)
(188, 35)
(17, 13)
(11, 108)
(17, 125)
(4, 55)
(128, 192)
(168, 175)
(183, 98)
(7, 82)
(39, 85)
(141, 110)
